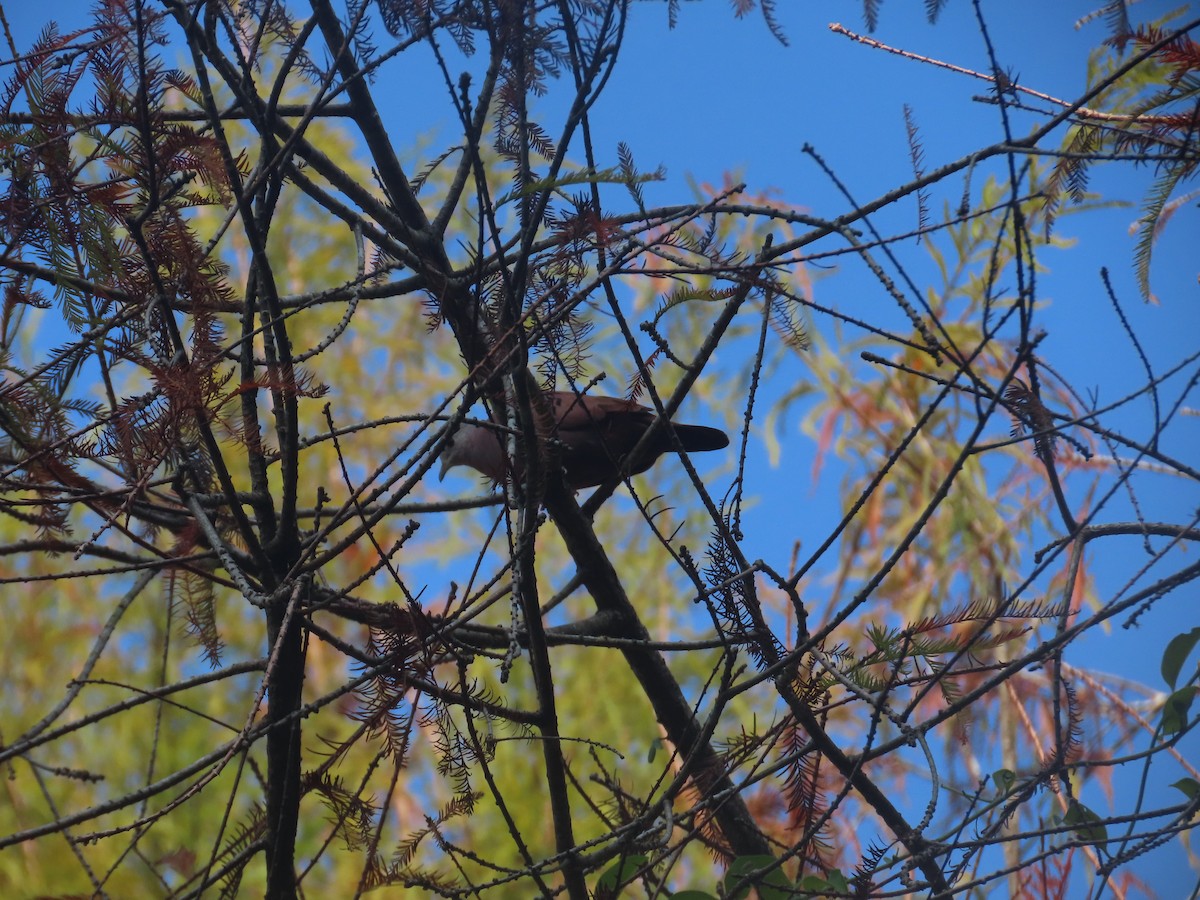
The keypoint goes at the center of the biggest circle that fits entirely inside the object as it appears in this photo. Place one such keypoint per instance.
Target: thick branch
(671, 708)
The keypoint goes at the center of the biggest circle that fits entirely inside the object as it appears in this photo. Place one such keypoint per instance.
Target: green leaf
(834, 882)
(624, 871)
(1176, 654)
(654, 744)
(838, 881)
(1189, 786)
(1004, 779)
(774, 885)
(1175, 710)
(814, 884)
(1087, 825)
(692, 895)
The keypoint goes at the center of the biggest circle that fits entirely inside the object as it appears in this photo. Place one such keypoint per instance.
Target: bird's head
(453, 453)
(474, 446)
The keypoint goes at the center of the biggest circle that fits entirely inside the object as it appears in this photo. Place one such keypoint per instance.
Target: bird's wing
(595, 433)
(573, 412)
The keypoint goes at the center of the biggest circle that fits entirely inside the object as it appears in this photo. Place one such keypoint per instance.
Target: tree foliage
(254, 648)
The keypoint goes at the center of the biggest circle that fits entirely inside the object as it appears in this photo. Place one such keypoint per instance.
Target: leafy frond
(400, 869)
(1031, 415)
(933, 9)
(569, 179)
(352, 816)
(872, 857)
(785, 321)
(806, 803)
(1147, 227)
(250, 830)
(197, 594)
(772, 21)
(986, 611)
(629, 172)
(455, 751)
(384, 708)
(733, 596)
(1075, 714)
(432, 166)
(1070, 172)
(1116, 18)
(688, 293)
(916, 155)
(870, 10)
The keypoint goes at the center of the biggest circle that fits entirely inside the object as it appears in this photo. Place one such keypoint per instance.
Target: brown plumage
(595, 433)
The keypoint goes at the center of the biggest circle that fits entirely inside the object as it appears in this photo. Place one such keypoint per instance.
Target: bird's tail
(697, 438)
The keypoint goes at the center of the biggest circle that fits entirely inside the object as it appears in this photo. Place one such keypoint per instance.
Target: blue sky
(718, 94)
(847, 100)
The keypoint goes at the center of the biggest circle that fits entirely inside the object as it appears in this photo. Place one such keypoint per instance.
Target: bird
(595, 434)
